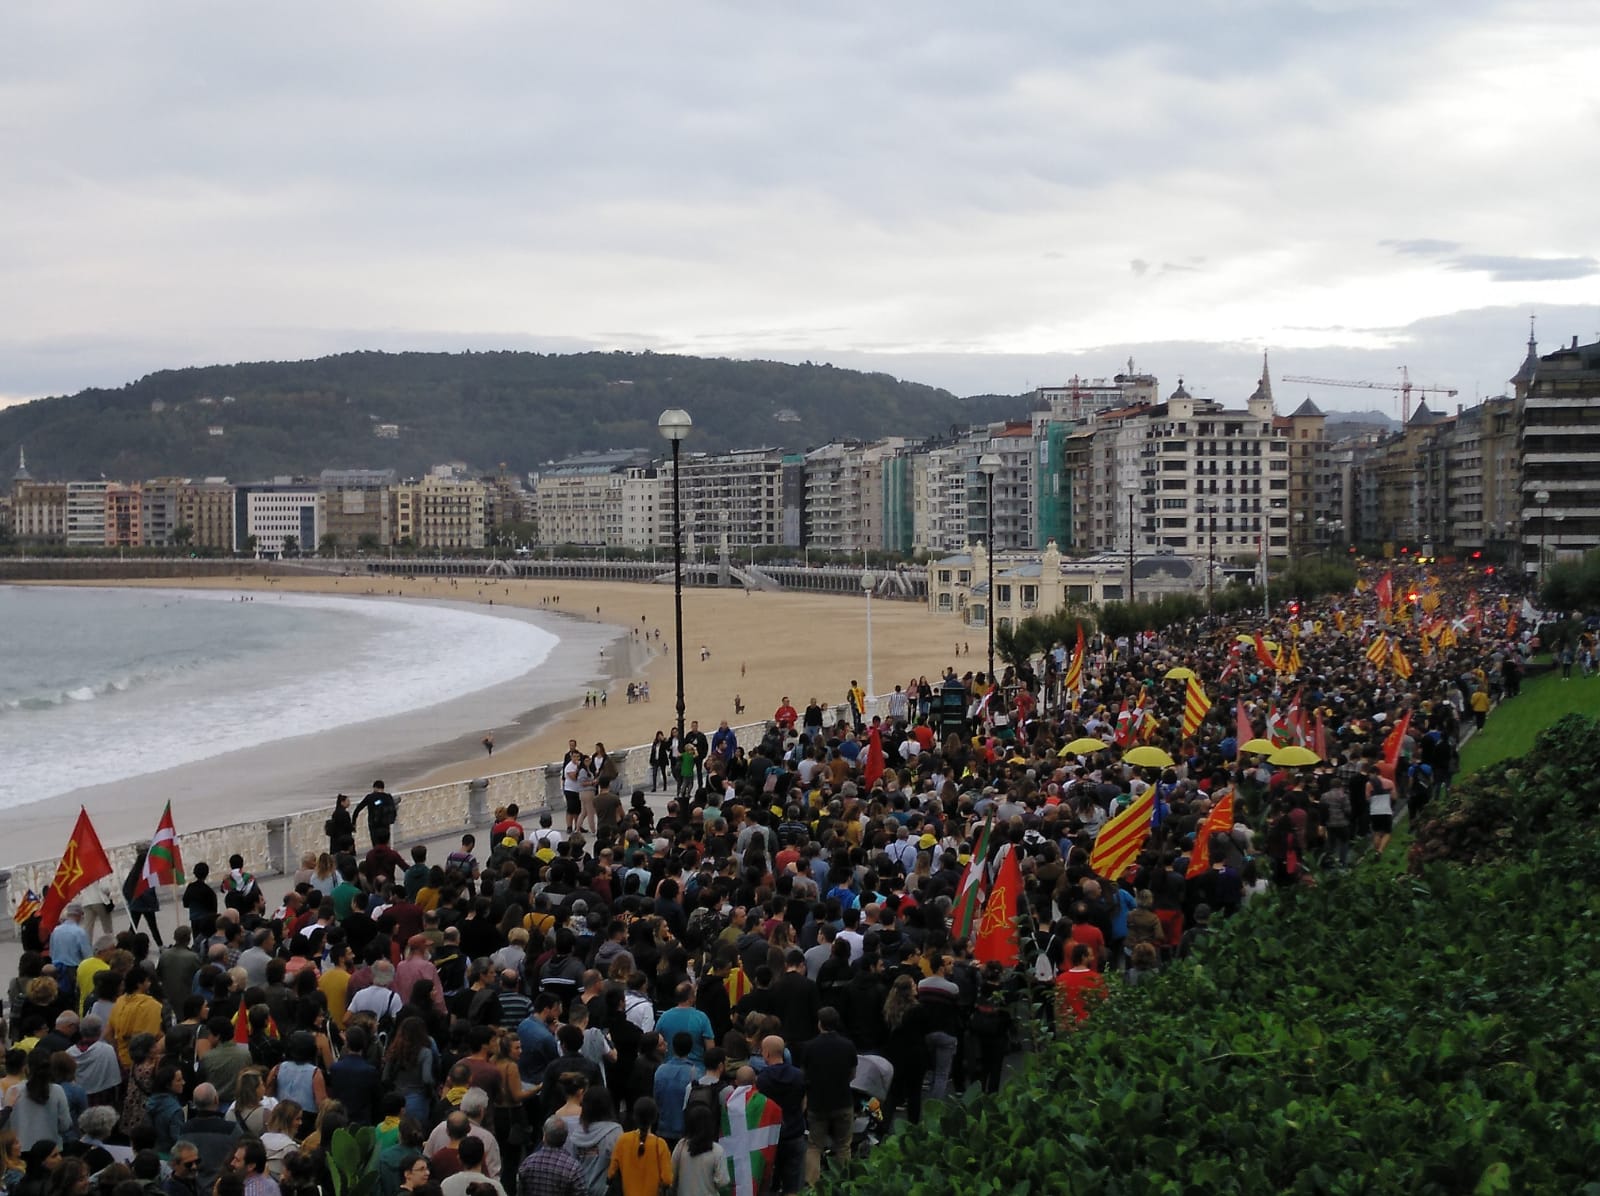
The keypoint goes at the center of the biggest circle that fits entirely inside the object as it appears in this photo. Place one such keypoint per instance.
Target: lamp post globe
(675, 424)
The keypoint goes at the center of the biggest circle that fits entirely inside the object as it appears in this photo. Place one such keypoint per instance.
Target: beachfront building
(441, 511)
(124, 526)
(642, 509)
(158, 511)
(859, 496)
(579, 499)
(38, 510)
(1028, 584)
(278, 517)
(750, 496)
(938, 499)
(206, 509)
(1560, 455)
(505, 500)
(86, 514)
(357, 508)
(1011, 490)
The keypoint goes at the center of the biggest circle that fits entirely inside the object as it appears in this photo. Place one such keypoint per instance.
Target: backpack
(1043, 970)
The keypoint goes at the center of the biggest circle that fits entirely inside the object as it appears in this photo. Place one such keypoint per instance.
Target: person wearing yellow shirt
(92, 967)
(135, 1012)
(334, 984)
(640, 1160)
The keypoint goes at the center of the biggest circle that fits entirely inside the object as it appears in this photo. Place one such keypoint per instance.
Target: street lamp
(989, 465)
(867, 582)
(1209, 507)
(674, 424)
(1543, 499)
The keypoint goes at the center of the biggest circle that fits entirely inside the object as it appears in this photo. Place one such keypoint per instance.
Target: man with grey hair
(69, 946)
(379, 997)
(550, 1170)
(474, 1104)
(183, 1177)
(99, 1070)
(212, 1135)
(255, 958)
(178, 966)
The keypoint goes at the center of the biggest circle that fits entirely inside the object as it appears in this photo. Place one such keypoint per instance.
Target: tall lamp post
(674, 424)
(867, 582)
(1543, 499)
(1209, 507)
(989, 465)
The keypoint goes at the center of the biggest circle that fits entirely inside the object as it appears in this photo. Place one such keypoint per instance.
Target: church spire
(22, 474)
(1264, 387)
(1522, 380)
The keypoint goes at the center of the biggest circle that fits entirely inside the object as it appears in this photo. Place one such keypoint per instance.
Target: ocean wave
(87, 692)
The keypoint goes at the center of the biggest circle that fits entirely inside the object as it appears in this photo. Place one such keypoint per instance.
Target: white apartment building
(939, 499)
(642, 507)
(1014, 487)
(580, 499)
(276, 511)
(1560, 448)
(86, 514)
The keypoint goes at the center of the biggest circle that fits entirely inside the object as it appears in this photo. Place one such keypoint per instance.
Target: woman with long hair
(511, 1101)
(145, 1050)
(660, 761)
(905, 1048)
(411, 1066)
(594, 1139)
(640, 1160)
(340, 827)
(249, 1110)
(325, 878)
(698, 1161)
(588, 787)
(283, 1126)
(41, 1113)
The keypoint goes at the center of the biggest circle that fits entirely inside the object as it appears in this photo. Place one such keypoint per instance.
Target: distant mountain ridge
(1373, 416)
(409, 411)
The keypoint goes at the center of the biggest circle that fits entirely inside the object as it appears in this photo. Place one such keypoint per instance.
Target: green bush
(1426, 1034)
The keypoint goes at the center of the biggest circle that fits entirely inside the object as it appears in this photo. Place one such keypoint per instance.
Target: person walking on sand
(488, 744)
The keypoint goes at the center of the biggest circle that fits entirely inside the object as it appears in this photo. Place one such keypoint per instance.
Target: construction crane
(1404, 386)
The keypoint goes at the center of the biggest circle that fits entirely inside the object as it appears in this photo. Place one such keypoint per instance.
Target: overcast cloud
(980, 197)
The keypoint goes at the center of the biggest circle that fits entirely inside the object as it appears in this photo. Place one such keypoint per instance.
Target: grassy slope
(1513, 725)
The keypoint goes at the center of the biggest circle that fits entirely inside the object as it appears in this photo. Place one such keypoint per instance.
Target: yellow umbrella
(1294, 756)
(1148, 757)
(1079, 746)
(1181, 673)
(1261, 747)
(1272, 645)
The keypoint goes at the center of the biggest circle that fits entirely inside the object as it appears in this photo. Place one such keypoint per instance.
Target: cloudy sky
(982, 197)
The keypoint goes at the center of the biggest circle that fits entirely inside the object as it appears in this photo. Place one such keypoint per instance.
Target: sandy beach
(762, 646)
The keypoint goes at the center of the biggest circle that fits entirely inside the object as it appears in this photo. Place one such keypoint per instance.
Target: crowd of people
(576, 1006)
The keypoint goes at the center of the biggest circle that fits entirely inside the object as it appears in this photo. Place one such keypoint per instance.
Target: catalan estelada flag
(30, 904)
(1119, 842)
(1195, 706)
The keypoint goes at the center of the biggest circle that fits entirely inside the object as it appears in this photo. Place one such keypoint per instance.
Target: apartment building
(158, 511)
(441, 511)
(1559, 446)
(206, 508)
(939, 499)
(580, 499)
(357, 507)
(86, 514)
(751, 496)
(1012, 491)
(38, 509)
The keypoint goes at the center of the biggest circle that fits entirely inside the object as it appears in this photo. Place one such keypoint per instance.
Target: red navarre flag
(874, 766)
(998, 940)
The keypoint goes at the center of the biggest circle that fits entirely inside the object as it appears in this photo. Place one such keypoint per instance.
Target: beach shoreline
(761, 647)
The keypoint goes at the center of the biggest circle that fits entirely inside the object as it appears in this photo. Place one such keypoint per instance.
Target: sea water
(100, 685)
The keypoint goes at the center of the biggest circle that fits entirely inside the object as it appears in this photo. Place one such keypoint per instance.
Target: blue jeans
(943, 1047)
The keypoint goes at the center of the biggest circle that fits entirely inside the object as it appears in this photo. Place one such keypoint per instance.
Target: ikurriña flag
(969, 891)
(751, 1125)
(163, 863)
(1119, 842)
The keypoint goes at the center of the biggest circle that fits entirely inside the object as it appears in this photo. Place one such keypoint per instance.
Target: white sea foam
(203, 674)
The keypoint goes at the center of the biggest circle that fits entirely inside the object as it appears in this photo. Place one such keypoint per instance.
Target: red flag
(874, 766)
(83, 863)
(241, 1024)
(1124, 725)
(997, 933)
(163, 863)
(1385, 591)
(969, 892)
(1243, 731)
(1219, 820)
(1263, 655)
(1396, 740)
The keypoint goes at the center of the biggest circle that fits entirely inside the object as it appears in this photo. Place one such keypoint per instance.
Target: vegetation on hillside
(482, 409)
(1573, 585)
(1428, 1034)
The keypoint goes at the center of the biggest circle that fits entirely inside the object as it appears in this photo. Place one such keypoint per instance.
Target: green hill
(522, 409)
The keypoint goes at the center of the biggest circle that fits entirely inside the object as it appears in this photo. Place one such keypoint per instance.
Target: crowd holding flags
(970, 890)
(1073, 681)
(1220, 820)
(1119, 842)
(85, 861)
